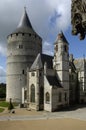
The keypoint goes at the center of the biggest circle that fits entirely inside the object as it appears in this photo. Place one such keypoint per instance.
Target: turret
(61, 61)
(23, 46)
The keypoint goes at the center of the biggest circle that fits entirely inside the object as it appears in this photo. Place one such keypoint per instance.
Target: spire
(62, 37)
(24, 22)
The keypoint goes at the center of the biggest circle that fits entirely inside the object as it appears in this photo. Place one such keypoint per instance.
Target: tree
(2, 90)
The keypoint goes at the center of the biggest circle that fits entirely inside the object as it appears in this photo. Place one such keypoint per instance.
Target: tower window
(22, 34)
(56, 47)
(16, 34)
(23, 72)
(65, 48)
(32, 74)
(29, 34)
(20, 46)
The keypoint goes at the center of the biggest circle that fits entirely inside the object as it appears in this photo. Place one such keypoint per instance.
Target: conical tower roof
(25, 22)
(24, 25)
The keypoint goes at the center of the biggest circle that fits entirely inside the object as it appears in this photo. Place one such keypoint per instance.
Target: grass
(4, 104)
(1, 110)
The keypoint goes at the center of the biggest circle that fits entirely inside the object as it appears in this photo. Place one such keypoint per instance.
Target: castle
(41, 81)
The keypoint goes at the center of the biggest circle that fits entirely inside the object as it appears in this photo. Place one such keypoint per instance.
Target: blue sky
(47, 17)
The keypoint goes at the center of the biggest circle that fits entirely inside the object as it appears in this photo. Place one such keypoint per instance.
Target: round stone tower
(23, 46)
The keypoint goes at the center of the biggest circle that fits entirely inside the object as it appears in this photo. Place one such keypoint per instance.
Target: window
(22, 34)
(20, 46)
(65, 96)
(29, 34)
(65, 48)
(25, 94)
(40, 74)
(56, 47)
(16, 34)
(60, 97)
(32, 93)
(32, 74)
(22, 71)
(47, 97)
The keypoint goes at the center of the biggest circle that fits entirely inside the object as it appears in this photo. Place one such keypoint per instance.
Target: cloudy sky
(48, 17)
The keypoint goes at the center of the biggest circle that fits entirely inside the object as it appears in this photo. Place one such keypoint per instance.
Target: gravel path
(29, 115)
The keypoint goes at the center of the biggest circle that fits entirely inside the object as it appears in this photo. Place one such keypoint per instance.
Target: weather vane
(78, 18)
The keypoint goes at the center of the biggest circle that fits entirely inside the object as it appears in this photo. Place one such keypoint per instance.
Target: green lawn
(4, 104)
(1, 110)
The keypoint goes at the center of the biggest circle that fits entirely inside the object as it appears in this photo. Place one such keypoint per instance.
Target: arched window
(32, 93)
(60, 97)
(47, 97)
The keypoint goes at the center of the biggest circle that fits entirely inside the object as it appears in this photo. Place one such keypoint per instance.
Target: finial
(25, 8)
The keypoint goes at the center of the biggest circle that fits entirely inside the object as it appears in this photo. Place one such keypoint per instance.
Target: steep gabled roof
(72, 66)
(53, 81)
(40, 61)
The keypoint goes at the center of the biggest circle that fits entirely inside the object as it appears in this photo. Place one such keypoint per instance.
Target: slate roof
(72, 66)
(24, 24)
(53, 81)
(40, 61)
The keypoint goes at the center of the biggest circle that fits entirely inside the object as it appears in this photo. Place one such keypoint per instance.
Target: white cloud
(50, 16)
(3, 49)
(48, 48)
(2, 75)
(46, 16)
